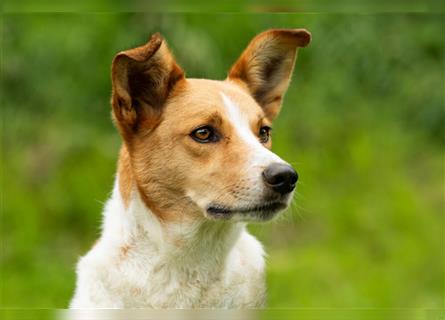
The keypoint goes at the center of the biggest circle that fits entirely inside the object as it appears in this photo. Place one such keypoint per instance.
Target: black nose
(280, 177)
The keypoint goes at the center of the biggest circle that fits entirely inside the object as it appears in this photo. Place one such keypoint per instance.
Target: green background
(362, 122)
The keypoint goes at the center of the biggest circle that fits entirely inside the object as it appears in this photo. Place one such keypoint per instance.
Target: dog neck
(131, 225)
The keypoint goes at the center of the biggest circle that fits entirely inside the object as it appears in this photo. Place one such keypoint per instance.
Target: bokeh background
(362, 122)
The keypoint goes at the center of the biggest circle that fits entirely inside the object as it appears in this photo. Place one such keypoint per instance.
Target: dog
(194, 168)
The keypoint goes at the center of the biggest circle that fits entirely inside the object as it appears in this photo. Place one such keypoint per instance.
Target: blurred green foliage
(363, 124)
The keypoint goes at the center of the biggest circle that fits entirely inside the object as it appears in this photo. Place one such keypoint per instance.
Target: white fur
(212, 264)
(140, 262)
(259, 156)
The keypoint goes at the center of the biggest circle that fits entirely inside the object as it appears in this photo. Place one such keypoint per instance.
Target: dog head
(196, 148)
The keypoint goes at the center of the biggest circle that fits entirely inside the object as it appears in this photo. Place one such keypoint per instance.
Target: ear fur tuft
(265, 67)
(142, 79)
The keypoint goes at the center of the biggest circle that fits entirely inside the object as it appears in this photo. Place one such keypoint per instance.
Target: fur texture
(139, 263)
(174, 231)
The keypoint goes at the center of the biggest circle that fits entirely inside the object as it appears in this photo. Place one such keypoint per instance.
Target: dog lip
(216, 209)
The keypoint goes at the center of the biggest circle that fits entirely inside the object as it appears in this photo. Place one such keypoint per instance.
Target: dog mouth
(262, 212)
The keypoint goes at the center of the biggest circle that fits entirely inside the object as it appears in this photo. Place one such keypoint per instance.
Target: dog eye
(204, 134)
(264, 134)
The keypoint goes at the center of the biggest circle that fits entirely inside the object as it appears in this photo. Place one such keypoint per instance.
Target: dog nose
(280, 177)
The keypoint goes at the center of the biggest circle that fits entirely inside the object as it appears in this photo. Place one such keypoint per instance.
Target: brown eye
(204, 134)
(264, 134)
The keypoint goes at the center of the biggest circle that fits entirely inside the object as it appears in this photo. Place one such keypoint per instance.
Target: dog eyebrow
(262, 120)
(214, 118)
(209, 117)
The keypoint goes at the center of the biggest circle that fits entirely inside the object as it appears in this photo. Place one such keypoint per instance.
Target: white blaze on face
(259, 157)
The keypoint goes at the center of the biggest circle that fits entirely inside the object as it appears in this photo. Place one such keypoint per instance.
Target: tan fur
(174, 231)
(179, 163)
(124, 251)
(142, 80)
(125, 174)
(266, 65)
(156, 109)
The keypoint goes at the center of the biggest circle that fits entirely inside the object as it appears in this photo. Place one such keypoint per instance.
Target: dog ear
(266, 66)
(142, 79)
